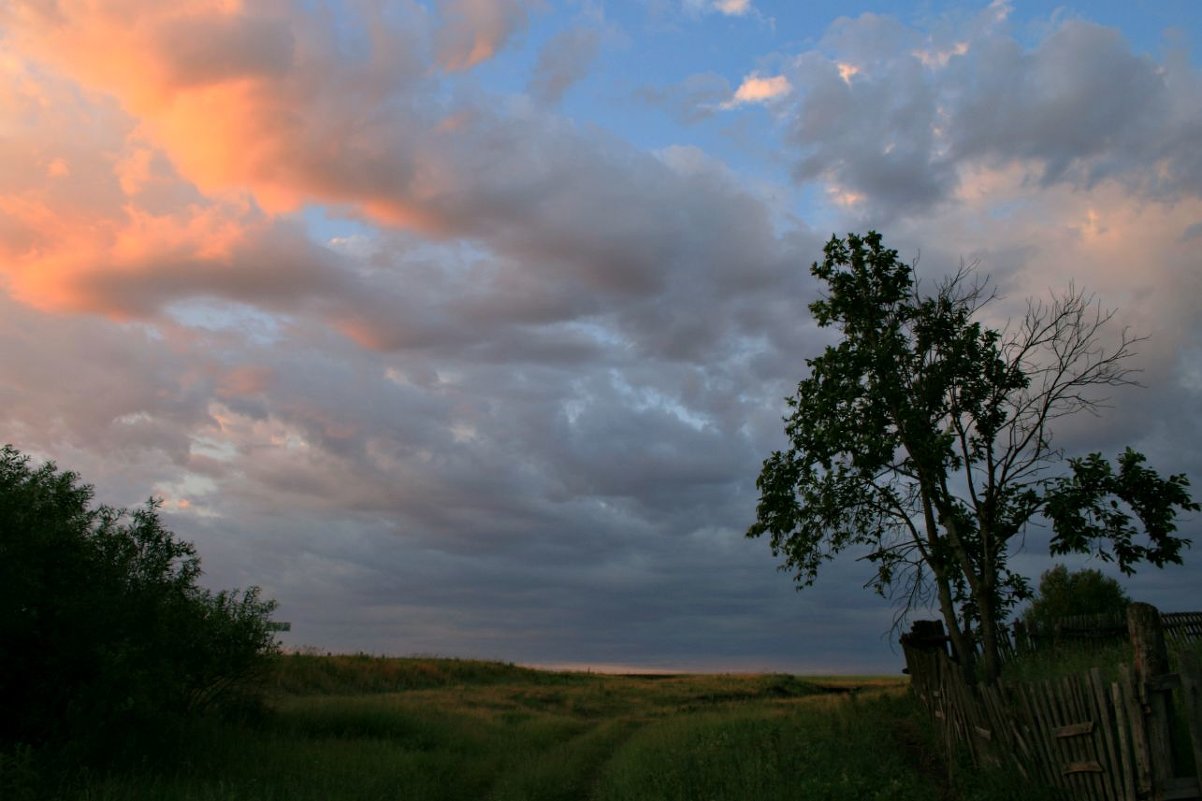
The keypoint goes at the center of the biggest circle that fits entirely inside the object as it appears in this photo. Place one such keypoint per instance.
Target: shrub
(1063, 593)
(104, 631)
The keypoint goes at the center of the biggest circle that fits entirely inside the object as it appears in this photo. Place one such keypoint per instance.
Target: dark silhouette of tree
(926, 438)
(103, 629)
(1063, 593)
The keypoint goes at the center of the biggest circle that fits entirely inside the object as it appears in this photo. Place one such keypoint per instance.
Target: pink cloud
(733, 8)
(245, 380)
(758, 88)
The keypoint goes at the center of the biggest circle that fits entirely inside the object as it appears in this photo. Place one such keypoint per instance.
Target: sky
(463, 327)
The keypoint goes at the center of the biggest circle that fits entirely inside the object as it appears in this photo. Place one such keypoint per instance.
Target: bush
(104, 631)
(1077, 593)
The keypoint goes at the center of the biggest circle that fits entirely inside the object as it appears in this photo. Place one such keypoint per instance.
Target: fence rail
(1178, 627)
(1098, 740)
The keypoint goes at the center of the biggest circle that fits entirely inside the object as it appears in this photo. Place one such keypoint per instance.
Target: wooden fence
(1179, 627)
(1096, 739)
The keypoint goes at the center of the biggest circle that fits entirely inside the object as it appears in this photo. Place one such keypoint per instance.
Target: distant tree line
(106, 639)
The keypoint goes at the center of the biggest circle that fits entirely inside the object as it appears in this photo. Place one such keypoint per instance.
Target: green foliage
(1063, 593)
(104, 631)
(923, 439)
(1094, 507)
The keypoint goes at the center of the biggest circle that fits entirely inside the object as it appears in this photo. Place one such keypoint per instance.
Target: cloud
(733, 8)
(446, 370)
(563, 61)
(759, 89)
(278, 126)
(729, 8)
(472, 31)
(886, 113)
(1089, 109)
(696, 98)
(378, 140)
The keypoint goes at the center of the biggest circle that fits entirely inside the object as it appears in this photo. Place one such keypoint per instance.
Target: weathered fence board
(1096, 740)
(1190, 668)
(1182, 626)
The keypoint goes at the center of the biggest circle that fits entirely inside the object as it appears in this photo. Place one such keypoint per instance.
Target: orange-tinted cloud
(241, 97)
(473, 31)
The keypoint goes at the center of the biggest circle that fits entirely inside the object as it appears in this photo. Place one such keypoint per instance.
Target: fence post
(1152, 664)
(1191, 691)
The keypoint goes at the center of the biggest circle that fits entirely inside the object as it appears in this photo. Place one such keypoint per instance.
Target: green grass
(1070, 659)
(832, 753)
(301, 674)
(435, 730)
(1073, 658)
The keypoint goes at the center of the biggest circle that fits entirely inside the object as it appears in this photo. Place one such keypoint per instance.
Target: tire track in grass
(569, 770)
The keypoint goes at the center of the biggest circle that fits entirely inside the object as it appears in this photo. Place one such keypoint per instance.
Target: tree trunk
(947, 605)
(960, 644)
(991, 655)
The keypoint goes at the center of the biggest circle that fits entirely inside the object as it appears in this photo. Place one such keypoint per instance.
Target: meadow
(361, 727)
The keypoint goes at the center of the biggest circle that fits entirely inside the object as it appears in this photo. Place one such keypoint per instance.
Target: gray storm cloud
(522, 413)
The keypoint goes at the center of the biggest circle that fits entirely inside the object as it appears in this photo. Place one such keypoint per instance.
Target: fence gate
(1098, 740)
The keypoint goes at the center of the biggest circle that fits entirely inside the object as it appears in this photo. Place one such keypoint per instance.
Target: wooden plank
(1139, 733)
(1077, 754)
(1151, 663)
(1182, 627)
(1184, 789)
(1164, 682)
(1076, 729)
(1002, 712)
(1051, 759)
(1097, 780)
(987, 732)
(1096, 702)
(1038, 747)
(1160, 737)
(1087, 766)
(1043, 728)
(1190, 667)
(1103, 781)
(1005, 715)
(1122, 725)
(1055, 716)
(1023, 759)
(966, 715)
(1081, 782)
(1147, 642)
(1114, 764)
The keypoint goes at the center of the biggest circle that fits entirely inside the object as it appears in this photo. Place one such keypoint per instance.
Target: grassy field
(432, 730)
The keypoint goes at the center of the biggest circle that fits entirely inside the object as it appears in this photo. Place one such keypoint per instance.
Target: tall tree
(925, 438)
